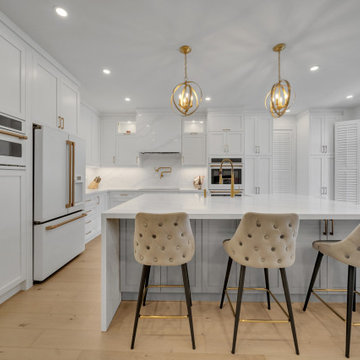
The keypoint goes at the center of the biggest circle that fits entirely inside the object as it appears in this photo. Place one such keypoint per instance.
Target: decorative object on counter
(277, 100)
(164, 170)
(198, 182)
(188, 93)
(95, 183)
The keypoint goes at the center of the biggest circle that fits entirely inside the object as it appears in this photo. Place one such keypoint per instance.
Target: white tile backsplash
(144, 176)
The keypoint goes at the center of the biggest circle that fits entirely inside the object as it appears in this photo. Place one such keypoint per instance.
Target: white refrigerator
(59, 198)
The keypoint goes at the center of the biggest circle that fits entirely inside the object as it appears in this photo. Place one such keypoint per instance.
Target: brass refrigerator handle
(69, 204)
(52, 227)
(326, 227)
(73, 174)
(332, 227)
(22, 137)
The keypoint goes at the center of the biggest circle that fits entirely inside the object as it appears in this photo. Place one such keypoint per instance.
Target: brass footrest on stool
(162, 316)
(314, 291)
(259, 320)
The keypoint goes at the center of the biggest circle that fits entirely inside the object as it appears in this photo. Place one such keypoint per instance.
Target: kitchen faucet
(232, 189)
(165, 170)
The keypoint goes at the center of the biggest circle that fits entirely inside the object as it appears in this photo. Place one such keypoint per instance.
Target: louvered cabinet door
(283, 167)
(347, 161)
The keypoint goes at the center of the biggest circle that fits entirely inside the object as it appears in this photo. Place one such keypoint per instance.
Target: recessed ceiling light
(61, 12)
(107, 71)
(207, 98)
(287, 110)
(127, 99)
(350, 96)
(201, 122)
(315, 68)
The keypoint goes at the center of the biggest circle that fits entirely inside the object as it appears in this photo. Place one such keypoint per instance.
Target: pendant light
(277, 100)
(186, 96)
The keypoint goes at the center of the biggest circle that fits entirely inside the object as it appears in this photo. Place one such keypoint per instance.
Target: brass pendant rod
(279, 64)
(186, 75)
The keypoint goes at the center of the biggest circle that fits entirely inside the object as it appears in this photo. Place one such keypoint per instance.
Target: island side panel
(110, 270)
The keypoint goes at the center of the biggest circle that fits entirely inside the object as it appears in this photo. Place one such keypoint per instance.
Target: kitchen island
(214, 219)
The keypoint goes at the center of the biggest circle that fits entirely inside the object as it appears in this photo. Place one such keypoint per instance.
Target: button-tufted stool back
(264, 240)
(347, 251)
(163, 239)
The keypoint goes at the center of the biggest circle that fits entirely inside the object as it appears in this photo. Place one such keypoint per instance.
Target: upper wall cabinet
(12, 75)
(89, 129)
(225, 122)
(258, 129)
(193, 147)
(56, 99)
(108, 141)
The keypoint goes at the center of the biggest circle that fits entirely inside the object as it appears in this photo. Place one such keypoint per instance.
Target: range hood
(159, 133)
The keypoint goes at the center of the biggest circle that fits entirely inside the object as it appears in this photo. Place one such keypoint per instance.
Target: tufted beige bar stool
(346, 251)
(163, 240)
(265, 241)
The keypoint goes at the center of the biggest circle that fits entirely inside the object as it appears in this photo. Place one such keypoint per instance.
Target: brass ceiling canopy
(277, 101)
(187, 96)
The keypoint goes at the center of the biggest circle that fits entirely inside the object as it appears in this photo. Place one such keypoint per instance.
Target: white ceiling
(232, 41)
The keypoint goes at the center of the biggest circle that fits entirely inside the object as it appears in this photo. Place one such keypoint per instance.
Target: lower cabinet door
(13, 232)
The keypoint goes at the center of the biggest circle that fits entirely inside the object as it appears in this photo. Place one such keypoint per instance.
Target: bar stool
(346, 251)
(265, 241)
(163, 240)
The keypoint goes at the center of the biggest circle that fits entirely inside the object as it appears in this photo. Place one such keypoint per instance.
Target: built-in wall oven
(214, 176)
(12, 145)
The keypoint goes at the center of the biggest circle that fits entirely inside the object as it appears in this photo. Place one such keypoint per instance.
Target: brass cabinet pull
(89, 232)
(326, 227)
(88, 211)
(52, 227)
(332, 227)
(19, 136)
(88, 222)
(59, 118)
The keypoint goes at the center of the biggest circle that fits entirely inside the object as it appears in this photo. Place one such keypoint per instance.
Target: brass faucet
(232, 186)
(165, 170)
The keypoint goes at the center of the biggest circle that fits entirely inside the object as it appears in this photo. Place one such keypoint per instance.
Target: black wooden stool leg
(313, 278)
(238, 305)
(188, 282)
(226, 281)
(144, 274)
(354, 301)
(266, 272)
(188, 303)
(350, 299)
(146, 285)
(289, 307)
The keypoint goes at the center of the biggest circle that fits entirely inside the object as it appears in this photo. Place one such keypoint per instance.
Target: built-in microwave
(12, 141)
(214, 173)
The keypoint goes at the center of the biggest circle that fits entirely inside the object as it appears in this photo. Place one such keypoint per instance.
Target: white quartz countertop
(198, 207)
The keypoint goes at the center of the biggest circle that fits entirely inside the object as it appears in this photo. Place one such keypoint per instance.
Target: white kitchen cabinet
(127, 150)
(347, 161)
(12, 74)
(55, 98)
(95, 204)
(258, 179)
(225, 143)
(118, 197)
(258, 133)
(13, 233)
(193, 150)
(89, 129)
(315, 152)
(69, 106)
(108, 141)
(224, 122)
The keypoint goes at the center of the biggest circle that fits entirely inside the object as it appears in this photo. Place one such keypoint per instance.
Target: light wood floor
(60, 319)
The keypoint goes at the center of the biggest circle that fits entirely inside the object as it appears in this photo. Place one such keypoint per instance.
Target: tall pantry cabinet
(315, 152)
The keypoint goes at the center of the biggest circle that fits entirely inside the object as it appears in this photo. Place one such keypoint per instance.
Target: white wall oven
(214, 176)
(12, 142)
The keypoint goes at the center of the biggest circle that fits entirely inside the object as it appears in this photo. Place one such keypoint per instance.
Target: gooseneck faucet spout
(232, 186)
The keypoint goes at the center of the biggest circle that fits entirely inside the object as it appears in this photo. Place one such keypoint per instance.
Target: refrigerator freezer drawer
(56, 243)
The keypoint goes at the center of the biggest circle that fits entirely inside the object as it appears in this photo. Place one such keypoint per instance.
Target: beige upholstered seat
(346, 251)
(163, 239)
(264, 240)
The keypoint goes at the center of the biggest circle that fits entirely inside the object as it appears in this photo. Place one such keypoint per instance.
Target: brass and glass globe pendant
(277, 101)
(186, 96)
